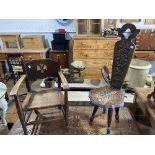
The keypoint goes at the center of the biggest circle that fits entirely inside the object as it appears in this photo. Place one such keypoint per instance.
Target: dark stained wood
(117, 114)
(110, 111)
(93, 114)
(43, 99)
(112, 96)
(123, 53)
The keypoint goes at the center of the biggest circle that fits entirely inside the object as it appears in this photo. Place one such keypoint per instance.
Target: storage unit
(34, 54)
(34, 42)
(63, 56)
(11, 41)
(95, 52)
(60, 41)
(88, 26)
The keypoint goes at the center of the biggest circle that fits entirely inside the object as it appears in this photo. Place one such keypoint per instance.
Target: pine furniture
(95, 52)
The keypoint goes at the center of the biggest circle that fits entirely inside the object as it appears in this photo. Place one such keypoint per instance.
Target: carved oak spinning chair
(112, 95)
(39, 102)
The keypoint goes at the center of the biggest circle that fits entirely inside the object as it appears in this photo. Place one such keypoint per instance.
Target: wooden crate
(11, 42)
(34, 42)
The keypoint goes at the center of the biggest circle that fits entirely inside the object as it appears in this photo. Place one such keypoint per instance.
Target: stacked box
(34, 42)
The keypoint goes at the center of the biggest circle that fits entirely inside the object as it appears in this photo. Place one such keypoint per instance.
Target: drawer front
(94, 44)
(84, 44)
(63, 58)
(97, 63)
(93, 54)
(29, 56)
(141, 55)
(2, 57)
(105, 44)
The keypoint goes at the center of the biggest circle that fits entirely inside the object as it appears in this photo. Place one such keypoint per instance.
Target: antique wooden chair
(38, 100)
(112, 95)
(15, 65)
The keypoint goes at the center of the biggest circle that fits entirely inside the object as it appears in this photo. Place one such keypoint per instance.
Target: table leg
(93, 114)
(110, 112)
(117, 114)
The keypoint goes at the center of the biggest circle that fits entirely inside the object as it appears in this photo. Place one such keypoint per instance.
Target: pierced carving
(123, 54)
(41, 68)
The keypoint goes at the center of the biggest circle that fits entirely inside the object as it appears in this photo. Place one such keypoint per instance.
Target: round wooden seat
(107, 97)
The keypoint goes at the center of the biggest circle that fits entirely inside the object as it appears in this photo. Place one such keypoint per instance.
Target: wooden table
(3, 102)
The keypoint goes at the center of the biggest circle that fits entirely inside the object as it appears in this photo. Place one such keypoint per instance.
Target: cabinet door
(63, 58)
(88, 26)
(82, 26)
(94, 26)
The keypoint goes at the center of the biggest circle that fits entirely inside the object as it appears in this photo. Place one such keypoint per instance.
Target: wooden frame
(149, 21)
(108, 23)
(26, 108)
(88, 28)
(130, 20)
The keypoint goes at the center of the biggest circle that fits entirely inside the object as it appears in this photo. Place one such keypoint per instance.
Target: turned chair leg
(93, 114)
(110, 112)
(117, 114)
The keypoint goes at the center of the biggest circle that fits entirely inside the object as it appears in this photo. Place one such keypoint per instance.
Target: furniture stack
(11, 44)
(60, 48)
(32, 46)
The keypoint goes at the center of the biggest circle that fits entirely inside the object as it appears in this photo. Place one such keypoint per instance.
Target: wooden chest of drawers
(95, 52)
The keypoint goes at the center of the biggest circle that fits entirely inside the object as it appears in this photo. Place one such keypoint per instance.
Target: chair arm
(63, 80)
(16, 87)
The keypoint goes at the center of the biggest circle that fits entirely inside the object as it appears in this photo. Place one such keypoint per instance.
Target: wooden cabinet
(95, 52)
(34, 42)
(63, 56)
(146, 55)
(27, 54)
(88, 26)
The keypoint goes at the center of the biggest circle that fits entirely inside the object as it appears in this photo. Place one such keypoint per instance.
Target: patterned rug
(79, 116)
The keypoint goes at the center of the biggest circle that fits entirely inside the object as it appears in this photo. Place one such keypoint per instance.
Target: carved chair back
(123, 53)
(41, 68)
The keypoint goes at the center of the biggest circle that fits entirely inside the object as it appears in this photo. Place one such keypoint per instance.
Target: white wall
(48, 26)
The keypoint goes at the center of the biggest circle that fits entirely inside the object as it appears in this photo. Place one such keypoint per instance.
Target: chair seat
(107, 97)
(44, 99)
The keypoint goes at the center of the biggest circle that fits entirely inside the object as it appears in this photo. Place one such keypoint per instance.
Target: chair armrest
(63, 80)
(16, 87)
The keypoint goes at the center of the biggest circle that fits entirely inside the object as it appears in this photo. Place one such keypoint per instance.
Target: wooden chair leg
(104, 110)
(117, 114)
(21, 116)
(93, 114)
(66, 108)
(110, 112)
